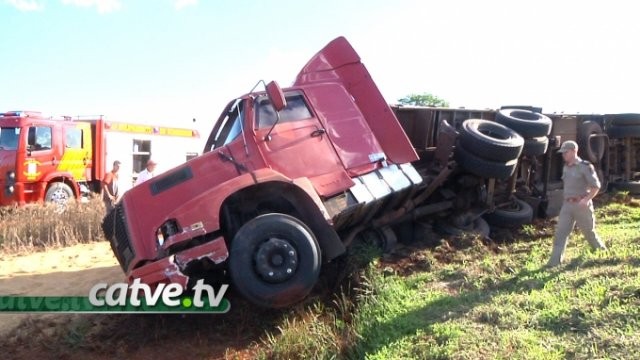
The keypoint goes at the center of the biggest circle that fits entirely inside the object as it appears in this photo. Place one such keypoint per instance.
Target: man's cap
(117, 163)
(151, 162)
(568, 145)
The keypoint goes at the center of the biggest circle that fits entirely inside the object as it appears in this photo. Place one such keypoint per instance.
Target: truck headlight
(160, 237)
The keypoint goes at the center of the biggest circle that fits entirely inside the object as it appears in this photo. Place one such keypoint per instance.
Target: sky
(168, 62)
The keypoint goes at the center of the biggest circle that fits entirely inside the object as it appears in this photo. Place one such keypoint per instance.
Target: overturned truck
(290, 177)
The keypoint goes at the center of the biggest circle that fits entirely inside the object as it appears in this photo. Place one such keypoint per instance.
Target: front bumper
(170, 269)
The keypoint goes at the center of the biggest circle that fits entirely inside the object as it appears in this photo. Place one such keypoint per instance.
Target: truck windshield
(9, 138)
(228, 128)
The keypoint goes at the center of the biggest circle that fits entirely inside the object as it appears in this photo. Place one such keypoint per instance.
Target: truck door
(298, 145)
(41, 155)
(77, 156)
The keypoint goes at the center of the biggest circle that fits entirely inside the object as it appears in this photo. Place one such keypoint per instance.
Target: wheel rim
(276, 260)
(59, 196)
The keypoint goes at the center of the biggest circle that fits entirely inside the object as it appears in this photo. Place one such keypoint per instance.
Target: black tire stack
(534, 127)
(491, 149)
(488, 149)
(621, 126)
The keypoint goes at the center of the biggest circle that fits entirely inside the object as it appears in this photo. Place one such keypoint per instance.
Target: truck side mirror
(276, 96)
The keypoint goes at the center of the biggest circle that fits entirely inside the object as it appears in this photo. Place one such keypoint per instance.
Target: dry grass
(37, 226)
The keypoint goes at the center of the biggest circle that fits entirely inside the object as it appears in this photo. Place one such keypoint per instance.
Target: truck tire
(58, 193)
(490, 140)
(535, 146)
(528, 124)
(633, 187)
(517, 213)
(478, 227)
(624, 119)
(604, 180)
(274, 260)
(592, 150)
(623, 131)
(482, 167)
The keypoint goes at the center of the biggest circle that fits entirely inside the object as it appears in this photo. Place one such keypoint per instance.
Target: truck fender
(64, 177)
(301, 195)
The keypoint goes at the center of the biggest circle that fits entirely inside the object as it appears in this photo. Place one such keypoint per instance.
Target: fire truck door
(41, 155)
(77, 155)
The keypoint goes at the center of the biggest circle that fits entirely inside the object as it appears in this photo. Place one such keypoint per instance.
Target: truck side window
(9, 138)
(39, 138)
(295, 110)
(73, 138)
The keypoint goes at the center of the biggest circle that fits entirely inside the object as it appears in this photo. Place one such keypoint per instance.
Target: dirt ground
(70, 271)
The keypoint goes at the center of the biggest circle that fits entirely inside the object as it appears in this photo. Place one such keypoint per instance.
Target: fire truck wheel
(274, 260)
(516, 213)
(58, 193)
(527, 123)
(491, 140)
(591, 148)
(535, 146)
(482, 167)
(619, 131)
(624, 119)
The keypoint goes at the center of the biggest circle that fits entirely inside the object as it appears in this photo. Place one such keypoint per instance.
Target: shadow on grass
(379, 334)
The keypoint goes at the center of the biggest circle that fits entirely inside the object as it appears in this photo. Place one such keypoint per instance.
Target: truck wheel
(482, 167)
(491, 140)
(517, 213)
(604, 180)
(478, 226)
(591, 149)
(633, 187)
(620, 131)
(527, 123)
(274, 260)
(535, 146)
(58, 193)
(624, 119)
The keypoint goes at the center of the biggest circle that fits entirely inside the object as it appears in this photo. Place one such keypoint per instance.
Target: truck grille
(115, 230)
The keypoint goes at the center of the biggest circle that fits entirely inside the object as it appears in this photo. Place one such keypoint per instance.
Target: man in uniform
(581, 184)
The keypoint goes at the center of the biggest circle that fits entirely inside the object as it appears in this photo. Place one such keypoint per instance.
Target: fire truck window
(39, 138)
(9, 138)
(295, 110)
(73, 138)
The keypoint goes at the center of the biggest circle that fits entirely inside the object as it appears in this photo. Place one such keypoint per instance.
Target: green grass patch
(486, 301)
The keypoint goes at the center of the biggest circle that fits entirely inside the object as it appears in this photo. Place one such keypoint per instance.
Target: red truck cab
(283, 174)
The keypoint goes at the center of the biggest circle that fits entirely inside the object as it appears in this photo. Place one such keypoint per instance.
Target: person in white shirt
(147, 173)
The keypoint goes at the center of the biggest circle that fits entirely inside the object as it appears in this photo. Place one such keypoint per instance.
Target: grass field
(465, 298)
(484, 301)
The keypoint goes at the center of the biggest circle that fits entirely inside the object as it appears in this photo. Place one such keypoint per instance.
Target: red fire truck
(47, 159)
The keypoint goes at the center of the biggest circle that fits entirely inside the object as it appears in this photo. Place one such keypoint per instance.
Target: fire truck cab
(58, 159)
